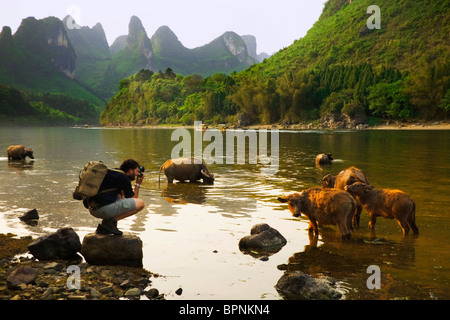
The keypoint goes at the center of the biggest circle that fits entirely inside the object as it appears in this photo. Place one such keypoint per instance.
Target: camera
(141, 171)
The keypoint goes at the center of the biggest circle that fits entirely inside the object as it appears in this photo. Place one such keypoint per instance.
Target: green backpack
(90, 179)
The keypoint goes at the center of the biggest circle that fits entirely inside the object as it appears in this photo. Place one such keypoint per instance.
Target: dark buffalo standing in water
(186, 169)
(347, 177)
(323, 207)
(387, 203)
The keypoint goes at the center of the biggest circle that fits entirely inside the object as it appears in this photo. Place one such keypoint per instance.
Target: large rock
(125, 250)
(299, 285)
(263, 240)
(63, 244)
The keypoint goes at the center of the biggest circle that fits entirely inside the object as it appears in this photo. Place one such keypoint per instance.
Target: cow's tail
(159, 176)
(412, 219)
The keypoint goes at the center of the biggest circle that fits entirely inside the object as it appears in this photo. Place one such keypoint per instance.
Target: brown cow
(19, 152)
(324, 207)
(345, 178)
(387, 203)
(323, 159)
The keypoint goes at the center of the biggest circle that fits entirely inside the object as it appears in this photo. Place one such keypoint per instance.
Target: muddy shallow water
(191, 231)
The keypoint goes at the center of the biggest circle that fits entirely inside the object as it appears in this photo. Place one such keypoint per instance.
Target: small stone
(179, 291)
(77, 297)
(53, 265)
(94, 293)
(133, 292)
(125, 284)
(43, 284)
(152, 293)
(47, 295)
(106, 290)
(22, 286)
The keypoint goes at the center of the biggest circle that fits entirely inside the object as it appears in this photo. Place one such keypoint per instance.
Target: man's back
(114, 182)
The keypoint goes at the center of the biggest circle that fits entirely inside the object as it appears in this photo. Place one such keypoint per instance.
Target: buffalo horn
(205, 173)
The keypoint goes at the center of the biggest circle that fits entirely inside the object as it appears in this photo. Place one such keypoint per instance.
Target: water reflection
(183, 224)
(348, 261)
(19, 165)
(182, 193)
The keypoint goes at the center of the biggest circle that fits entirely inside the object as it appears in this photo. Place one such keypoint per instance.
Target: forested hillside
(341, 68)
(20, 108)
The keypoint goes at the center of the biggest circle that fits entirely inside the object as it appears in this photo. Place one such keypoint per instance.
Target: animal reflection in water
(338, 260)
(20, 165)
(183, 193)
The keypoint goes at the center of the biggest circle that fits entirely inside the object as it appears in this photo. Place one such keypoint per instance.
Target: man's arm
(137, 186)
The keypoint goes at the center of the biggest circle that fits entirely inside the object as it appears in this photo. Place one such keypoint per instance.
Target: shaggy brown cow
(186, 169)
(19, 152)
(387, 203)
(345, 178)
(324, 207)
(323, 159)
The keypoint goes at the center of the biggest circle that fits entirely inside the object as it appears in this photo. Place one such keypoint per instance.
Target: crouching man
(116, 199)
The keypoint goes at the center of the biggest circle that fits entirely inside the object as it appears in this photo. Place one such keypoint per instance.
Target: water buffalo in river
(387, 203)
(347, 177)
(323, 159)
(323, 207)
(19, 152)
(186, 169)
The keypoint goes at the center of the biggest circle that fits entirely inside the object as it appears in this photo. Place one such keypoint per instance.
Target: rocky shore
(343, 123)
(53, 280)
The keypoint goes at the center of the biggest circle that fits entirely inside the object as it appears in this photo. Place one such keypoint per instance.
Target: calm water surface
(191, 232)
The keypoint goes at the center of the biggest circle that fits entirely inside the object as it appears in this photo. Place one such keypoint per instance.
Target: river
(190, 232)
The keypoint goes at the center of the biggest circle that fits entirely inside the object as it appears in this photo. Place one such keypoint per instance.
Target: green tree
(388, 100)
(445, 103)
(425, 91)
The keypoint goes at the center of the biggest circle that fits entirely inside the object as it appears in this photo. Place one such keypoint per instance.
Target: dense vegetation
(340, 67)
(19, 108)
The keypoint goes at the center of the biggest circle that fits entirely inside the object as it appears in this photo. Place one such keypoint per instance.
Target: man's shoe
(109, 226)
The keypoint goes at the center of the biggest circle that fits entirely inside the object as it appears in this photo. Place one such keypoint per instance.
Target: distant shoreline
(415, 125)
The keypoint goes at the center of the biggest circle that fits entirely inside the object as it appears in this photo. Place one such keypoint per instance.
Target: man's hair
(129, 164)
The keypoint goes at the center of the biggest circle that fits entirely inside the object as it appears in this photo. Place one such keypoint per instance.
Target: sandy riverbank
(417, 125)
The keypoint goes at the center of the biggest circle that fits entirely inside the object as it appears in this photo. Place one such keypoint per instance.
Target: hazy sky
(274, 23)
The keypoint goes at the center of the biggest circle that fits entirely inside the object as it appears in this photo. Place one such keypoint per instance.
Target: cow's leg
(413, 226)
(193, 178)
(404, 225)
(312, 228)
(411, 220)
(345, 232)
(357, 216)
(373, 220)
